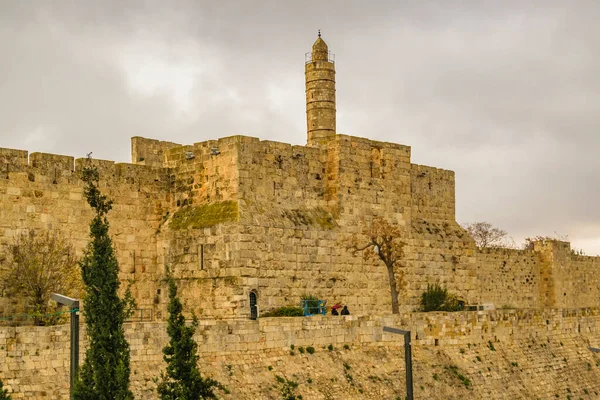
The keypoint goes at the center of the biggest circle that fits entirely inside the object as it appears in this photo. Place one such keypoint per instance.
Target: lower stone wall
(503, 354)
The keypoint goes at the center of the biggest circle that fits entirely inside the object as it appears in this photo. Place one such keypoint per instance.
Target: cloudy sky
(505, 93)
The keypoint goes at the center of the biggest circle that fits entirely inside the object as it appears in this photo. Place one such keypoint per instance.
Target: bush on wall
(287, 311)
(437, 298)
(4, 393)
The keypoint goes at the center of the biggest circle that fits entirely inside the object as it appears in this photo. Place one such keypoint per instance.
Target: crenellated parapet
(432, 193)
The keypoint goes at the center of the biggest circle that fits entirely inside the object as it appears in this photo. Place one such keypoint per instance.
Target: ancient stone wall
(45, 192)
(443, 253)
(432, 193)
(499, 354)
(509, 278)
(369, 179)
(236, 215)
(149, 151)
(573, 279)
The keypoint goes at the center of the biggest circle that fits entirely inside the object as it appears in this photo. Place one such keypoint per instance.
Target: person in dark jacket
(345, 311)
(334, 311)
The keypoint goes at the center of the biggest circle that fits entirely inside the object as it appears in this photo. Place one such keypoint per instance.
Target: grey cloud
(504, 93)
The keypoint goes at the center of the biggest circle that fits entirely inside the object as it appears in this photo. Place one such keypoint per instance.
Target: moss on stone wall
(197, 217)
(314, 216)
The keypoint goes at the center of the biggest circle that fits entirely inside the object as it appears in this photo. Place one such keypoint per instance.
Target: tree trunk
(393, 289)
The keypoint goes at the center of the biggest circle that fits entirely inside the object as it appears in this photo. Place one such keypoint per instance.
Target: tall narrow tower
(320, 93)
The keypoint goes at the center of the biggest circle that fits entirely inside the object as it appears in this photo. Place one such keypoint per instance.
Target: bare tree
(486, 235)
(39, 265)
(382, 241)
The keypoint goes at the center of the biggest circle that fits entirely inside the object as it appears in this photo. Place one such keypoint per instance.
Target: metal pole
(407, 358)
(74, 308)
(74, 346)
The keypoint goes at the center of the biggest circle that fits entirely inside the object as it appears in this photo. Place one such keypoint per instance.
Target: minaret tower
(320, 93)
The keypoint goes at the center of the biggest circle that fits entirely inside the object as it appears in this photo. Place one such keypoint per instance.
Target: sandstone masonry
(239, 216)
(505, 354)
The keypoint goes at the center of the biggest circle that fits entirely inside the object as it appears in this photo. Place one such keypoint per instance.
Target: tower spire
(320, 93)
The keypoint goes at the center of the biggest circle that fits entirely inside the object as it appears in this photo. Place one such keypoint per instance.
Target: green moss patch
(197, 217)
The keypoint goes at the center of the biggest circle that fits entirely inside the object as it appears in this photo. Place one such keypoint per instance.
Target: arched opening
(253, 305)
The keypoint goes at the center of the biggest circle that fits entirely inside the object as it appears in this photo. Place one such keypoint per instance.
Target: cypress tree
(3, 392)
(182, 380)
(104, 374)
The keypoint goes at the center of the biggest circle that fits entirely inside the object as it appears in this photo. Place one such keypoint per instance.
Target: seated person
(334, 309)
(345, 311)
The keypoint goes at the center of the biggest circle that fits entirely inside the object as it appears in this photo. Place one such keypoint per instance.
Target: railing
(141, 315)
(313, 307)
(61, 317)
(37, 319)
(308, 57)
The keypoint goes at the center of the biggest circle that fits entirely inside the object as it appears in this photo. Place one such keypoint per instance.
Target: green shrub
(310, 350)
(437, 298)
(182, 379)
(287, 388)
(104, 373)
(4, 393)
(454, 369)
(287, 311)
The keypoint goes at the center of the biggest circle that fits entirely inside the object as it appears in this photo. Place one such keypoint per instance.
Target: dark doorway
(253, 306)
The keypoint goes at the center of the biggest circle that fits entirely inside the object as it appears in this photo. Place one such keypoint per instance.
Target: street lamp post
(74, 307)
(407, 356)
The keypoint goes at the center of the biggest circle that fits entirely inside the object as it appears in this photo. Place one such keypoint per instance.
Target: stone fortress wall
(238, 214)
(505, 354)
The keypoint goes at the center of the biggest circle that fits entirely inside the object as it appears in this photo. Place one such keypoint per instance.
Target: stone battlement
(239, 215)
(57, 169)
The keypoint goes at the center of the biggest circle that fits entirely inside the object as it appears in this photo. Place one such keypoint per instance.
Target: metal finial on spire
(319, 33)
